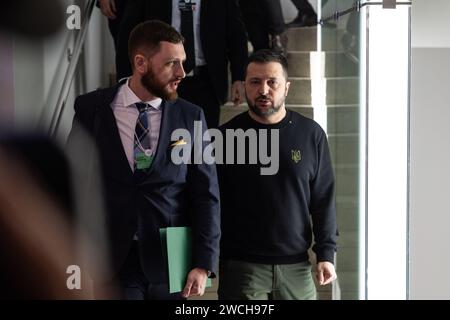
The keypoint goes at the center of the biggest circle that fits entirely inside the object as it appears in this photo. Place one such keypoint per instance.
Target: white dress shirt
(126, 115)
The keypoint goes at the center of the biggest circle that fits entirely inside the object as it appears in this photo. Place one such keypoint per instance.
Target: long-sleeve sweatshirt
(271, 218)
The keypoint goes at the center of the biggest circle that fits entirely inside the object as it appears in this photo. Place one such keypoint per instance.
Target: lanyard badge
(144, 159)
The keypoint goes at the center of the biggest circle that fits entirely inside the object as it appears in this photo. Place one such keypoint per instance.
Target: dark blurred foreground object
(31, 18)
(37, 241)
(46, 222)
(47, 165)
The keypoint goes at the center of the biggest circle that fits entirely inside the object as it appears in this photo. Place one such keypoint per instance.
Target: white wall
(96, 62)
(39, 68)
(430, 150)
(431, 22)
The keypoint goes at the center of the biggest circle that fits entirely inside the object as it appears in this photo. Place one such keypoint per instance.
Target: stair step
(299, 91)
(347, 215)
(299, 64)
(346, 181)
(342, 90)
(305, 39)
(348, 280)
(332, 39)
(300, 39)
(338, 64)
(347, 259)
(348, 239)
(344, 149)
(343, 119)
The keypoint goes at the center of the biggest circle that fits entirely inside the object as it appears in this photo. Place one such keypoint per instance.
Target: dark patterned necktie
(187, 30)
(141, 137)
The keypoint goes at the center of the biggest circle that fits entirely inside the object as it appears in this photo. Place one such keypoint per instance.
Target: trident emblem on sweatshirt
(296, 156)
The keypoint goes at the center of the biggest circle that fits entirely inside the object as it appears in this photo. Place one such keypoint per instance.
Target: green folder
(177, 247)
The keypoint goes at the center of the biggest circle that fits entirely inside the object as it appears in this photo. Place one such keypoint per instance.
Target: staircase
(342, 75)
(341, 89)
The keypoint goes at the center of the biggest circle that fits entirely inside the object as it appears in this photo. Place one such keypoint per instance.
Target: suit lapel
(166, 128)
(108, 137)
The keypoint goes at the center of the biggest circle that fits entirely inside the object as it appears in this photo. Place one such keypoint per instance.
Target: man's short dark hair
(147, 36)
(266, 56)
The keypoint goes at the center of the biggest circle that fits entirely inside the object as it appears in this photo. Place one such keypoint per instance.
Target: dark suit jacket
(169, 195)
(223, 38)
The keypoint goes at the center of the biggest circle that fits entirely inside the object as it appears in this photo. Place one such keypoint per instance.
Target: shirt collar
(130, 98)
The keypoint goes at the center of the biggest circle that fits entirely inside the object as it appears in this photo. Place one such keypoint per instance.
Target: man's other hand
(237, 92)
(108, 8)
(325, 273)
(195, 283)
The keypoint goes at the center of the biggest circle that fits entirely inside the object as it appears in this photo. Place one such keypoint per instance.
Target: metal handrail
(68, 79)
(356, 8)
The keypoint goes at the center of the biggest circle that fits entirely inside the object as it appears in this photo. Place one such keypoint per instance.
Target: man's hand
(325, 273)
(108, 8)
(237, 92)
(195, 283)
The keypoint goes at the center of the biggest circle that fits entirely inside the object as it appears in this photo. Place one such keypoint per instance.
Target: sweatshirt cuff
(326, 255)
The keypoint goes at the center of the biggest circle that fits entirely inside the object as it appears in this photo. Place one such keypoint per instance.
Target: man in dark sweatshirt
(269, 217)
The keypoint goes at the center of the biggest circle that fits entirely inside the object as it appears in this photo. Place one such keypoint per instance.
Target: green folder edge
(176, 243)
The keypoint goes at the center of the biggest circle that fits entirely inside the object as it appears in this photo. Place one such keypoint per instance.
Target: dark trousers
(133, 14)
(114, 24)
(132, 284)
(262, 18)
(199, 90)
(304, 6)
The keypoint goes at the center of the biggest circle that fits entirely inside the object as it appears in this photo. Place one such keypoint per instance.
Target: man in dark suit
(132, 124)
(264, 22)
(306, 16)
(219, 38)
(113, 10)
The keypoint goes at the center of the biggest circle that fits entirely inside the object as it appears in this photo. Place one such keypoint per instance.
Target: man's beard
(158, 89)
(266, 112)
